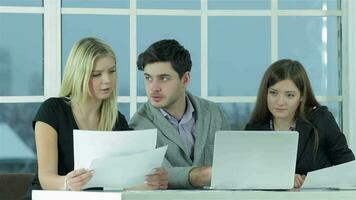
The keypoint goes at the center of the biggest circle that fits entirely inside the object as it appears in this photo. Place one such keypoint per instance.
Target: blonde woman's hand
(158, 179)
(76, 179)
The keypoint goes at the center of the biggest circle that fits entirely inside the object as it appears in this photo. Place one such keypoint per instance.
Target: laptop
(342, 176)
(263, 160)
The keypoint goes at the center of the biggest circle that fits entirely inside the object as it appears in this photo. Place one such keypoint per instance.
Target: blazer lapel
(202, 125)
(305, 133)
(201, 131)
(168, 129)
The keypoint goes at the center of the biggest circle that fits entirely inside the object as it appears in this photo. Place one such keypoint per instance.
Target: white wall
(349, 63)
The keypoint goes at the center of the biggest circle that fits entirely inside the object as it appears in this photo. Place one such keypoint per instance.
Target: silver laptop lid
(254, 159)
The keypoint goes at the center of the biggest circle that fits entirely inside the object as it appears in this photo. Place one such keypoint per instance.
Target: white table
(253, 195)
(198, 194)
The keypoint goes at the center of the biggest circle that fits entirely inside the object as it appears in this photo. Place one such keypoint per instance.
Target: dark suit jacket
(332, 147)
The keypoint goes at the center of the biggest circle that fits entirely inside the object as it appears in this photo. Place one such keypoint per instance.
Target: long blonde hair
(75, 84)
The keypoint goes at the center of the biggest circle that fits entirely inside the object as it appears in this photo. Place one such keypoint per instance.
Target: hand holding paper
(125, 171)
(158, 179)
(119, 159)
(89, 145)
(76, 179)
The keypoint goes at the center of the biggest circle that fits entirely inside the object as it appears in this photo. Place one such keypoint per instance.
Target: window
(231, 43)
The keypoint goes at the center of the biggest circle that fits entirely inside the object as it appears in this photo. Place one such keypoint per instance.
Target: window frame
(53, 11)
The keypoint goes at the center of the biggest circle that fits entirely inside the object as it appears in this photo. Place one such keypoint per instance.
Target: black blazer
(332, 148)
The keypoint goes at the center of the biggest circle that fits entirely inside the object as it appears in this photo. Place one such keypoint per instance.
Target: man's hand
(200, 176)
(158, 179)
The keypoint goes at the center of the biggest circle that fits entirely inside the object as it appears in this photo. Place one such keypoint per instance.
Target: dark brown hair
(166, 50)
(279, 71)
(294, 71)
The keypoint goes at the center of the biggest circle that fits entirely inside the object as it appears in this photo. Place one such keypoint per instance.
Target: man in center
(186, 123)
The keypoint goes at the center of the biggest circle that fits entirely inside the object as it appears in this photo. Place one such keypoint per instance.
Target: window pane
(17, 145)
(96, 3)
(237, 114)
(186, 30)
(314, 42)
(239, 4)
(21, 55)
(168, 4)
(239, 52)
(308, 4)
(112, 29)
(336, 109)
(21, 3)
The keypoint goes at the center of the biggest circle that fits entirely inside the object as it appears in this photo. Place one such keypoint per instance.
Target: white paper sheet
(341, 176)
(89, 145)
(125, 171)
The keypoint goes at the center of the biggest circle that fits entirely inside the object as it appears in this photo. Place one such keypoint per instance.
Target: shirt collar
(188, 114)
(291, 128)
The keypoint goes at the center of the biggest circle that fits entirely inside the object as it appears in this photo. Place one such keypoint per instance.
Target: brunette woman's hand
(298, 180)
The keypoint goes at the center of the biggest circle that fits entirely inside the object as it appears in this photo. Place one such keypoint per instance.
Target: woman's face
(283, 99)
(103, 78)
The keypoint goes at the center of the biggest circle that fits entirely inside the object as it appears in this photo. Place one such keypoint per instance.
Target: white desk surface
(198, 194)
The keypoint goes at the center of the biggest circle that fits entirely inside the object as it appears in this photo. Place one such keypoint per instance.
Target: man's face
(164, 88)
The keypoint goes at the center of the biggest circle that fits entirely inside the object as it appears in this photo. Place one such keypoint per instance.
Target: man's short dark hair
(166, 51)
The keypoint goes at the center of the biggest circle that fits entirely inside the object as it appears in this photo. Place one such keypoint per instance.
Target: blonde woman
(87, 101)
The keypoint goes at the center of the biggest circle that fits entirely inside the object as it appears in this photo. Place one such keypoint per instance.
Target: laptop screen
(254, 159)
